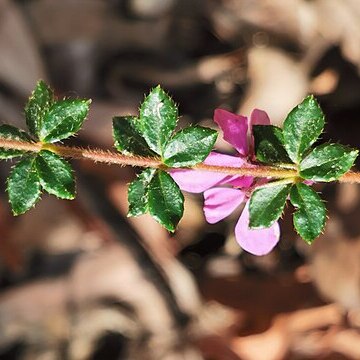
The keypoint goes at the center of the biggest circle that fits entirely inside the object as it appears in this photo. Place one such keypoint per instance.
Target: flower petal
(215, 158)
(235, 129)
(242, 182)
(259, 117)
(221, 202)
(197, 181)
(259, 241)
(233, 180)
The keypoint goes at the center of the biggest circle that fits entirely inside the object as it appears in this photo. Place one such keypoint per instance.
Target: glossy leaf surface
(158, 117)
(302, 127)
(165, 200)
(23, 186)
(63, 119)
(56, 175)
(327, 162)
(310, 216)
(267, 204)
(127, 138)
(38, 105)
(189, 146)
(269, 144)
(137, 193)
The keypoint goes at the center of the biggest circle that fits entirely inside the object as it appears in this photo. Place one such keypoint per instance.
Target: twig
(111, 157)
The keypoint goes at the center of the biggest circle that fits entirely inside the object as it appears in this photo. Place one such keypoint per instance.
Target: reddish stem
(111, 157)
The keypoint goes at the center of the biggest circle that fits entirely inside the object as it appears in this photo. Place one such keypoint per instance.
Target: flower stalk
(115, 158)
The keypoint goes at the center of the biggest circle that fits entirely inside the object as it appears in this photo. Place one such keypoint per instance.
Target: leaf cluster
(48, 120)
(153, 134)
(292, 146)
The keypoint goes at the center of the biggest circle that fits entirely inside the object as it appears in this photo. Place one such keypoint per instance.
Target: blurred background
(79, 280)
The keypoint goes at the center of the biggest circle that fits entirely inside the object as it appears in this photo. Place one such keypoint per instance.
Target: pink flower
(224, 193)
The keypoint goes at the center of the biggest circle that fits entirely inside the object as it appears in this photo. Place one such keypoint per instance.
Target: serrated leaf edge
(7, 190)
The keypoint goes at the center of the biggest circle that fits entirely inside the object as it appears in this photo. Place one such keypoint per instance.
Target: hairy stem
(111, 157)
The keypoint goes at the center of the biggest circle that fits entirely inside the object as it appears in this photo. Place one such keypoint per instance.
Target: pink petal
(221, 202)
(215, 158)
(197, 181)
(235, 129)
(233, 180)
(259, 241)
(259, 117)
(309, 182)
(242, 182)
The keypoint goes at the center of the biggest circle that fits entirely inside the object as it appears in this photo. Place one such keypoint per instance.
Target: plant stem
(111, 157)
(253, 170)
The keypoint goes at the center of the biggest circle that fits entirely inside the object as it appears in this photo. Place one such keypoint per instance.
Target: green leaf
(56, 175)
(327, 162)
(13, 133)
(127, 138)
(63, 119)
(137, 193)
(269, 145)
(189, 146)
(158, 117)
(267, 204)
(302, 128)
(165, 200)
(310, 217)
(23, 186)
(38, 105)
